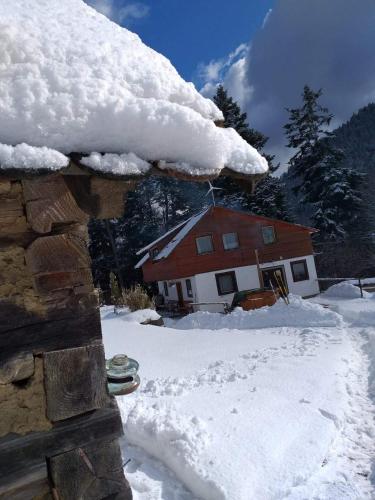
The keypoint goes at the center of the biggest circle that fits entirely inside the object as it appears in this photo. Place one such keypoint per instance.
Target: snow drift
(74, 81)
(299, 313)
(345, 290)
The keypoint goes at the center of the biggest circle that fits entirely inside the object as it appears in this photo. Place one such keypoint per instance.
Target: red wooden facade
(292, 241)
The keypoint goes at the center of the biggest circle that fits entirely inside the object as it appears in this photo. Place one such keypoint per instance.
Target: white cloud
(325, 44)
(229, 71)
(120, 12)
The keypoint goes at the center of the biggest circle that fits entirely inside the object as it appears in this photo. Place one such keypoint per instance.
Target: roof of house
(186, 226)
(75, 82)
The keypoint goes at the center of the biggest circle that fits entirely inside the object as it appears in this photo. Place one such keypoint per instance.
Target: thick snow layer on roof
(125, 164)
(27, 157)
(72, 80)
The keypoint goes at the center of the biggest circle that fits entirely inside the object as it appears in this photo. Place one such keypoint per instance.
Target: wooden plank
(5, 186)
(19, 454)
(72, 326)
(90, 472)
(75, 381)
(32, 485)
(49, 201)
(57, 253)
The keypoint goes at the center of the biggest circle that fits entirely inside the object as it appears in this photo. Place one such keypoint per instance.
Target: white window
(166, 291)
(204, 244)
(268, 233)
(230, 241)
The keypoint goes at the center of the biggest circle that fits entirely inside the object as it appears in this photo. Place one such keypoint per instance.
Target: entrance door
(273, 276)
(180, 295)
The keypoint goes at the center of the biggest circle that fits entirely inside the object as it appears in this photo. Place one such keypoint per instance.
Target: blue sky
(190, 32)
(263, 51)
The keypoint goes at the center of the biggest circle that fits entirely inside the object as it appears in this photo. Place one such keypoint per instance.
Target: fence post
(360, 287)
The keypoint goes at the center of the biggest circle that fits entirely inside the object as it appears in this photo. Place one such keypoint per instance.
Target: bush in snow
(136, 298)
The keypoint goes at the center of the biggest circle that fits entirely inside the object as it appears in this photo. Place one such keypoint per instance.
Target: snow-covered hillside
(251, 413)
(74, 81)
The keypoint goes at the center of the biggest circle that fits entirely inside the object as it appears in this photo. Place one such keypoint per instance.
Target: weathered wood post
(59, 426)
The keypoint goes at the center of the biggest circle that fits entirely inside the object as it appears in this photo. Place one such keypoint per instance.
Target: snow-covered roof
(153, 243)
(186, 226)
(72, 81)
(142, 261)
(171, 245)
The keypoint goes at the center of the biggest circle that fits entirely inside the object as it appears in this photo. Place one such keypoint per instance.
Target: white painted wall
(303, 288)
(205, 289)
(173, 289)
(247, 278)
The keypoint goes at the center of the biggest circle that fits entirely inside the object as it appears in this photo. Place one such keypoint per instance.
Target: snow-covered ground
(245, 412)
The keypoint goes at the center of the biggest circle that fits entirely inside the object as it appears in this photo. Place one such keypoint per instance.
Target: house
(207, 258)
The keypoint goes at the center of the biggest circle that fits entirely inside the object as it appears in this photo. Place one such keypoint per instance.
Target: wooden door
(180, 295)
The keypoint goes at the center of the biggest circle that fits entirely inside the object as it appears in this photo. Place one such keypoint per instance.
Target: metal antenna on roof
(211, 190)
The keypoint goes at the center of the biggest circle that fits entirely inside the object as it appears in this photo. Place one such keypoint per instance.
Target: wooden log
(19, 454)
(33, 484)
(90, 472)
(57, 253)
(49, 201)
(72, 326)
(5, 186)
(75, 381)
(13, 224)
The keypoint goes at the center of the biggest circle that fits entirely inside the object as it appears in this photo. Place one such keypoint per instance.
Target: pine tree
(306, 126)
(269, 196)
(234, 118)
(323, 182)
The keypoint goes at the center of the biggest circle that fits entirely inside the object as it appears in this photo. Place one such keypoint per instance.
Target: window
(154, 252)
(226, 283)
(230, 241)
(204, 244)
(189, 289)
(299, 270)
(166, 291)
(268, 233)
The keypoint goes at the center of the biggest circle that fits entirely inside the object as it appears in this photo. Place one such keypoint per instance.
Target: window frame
(301, 261)
(189, 289)
(234, 280)
(274, 235)
(233, 248)
(212, 244)
(166, 291)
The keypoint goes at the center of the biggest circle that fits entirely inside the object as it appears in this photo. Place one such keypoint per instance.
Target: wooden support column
(59, 425)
